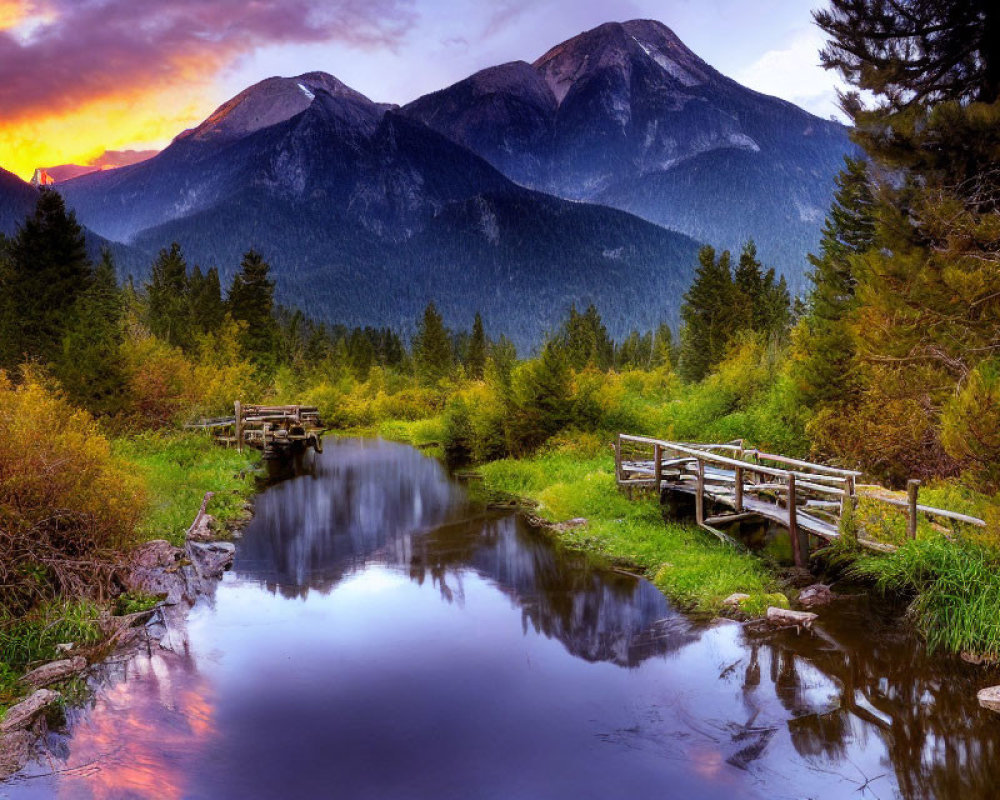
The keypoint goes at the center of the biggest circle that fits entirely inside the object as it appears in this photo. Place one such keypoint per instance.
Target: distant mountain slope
(17, 199)
(367, 214)
(627, 115)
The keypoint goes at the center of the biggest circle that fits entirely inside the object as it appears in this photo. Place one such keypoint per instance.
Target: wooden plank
(699, 502)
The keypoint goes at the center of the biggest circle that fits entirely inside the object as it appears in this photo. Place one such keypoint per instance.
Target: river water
(381, 636)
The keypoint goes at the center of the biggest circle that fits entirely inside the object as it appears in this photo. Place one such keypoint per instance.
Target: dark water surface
(381, 637)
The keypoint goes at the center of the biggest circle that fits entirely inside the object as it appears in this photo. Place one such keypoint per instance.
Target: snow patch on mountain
(671, 67)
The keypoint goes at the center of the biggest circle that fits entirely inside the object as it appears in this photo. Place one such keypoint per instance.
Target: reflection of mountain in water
(309, 532)
(365, 501)
(597, 614)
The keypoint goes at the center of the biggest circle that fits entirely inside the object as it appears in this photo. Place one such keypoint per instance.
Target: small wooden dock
(736, 484)
(277, 431)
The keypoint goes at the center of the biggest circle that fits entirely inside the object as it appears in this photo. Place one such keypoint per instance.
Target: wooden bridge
(736, 484)
(276, 430)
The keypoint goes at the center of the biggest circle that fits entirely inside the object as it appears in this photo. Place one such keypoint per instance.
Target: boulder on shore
(819, 594)
(989, 698)
(212, 558)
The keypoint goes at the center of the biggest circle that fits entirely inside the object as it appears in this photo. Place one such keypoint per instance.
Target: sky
(78, 77)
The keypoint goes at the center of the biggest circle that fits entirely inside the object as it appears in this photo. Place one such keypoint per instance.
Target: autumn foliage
(67, 505)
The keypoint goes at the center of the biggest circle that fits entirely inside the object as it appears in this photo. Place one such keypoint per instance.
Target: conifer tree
(47, 271)
(664, 351)
(476, 357)
(169, 314)
(584, 340)
(208, 309)
(89, 366)
(542, 401)
(251, 301)
(824, 345)
(710, 315)
(432, 350)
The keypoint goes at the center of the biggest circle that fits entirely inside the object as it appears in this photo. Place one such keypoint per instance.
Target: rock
(65, 647)
(23, 714)
(989, 698)
(15, 748)
(54, 671)
(212, 558)
(783, 616)
(819, 594)
(158, 553)
(736, 600)
(202, 529)
(576, 522)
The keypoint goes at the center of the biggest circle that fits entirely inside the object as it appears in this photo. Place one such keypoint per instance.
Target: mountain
(17, 199)
(109, 159)
(627, 116)
(366, 214)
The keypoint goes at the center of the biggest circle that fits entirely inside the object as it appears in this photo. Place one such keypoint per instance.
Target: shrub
(970, 424)
(66, 503)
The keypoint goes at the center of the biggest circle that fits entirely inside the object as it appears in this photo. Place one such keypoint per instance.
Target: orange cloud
(79, 78)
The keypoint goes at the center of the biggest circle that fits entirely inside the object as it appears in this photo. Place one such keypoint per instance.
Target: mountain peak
(267, 103)
(619, 46)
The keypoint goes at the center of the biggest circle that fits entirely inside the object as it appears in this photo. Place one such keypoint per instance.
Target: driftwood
(24, 713)
(54, 671)
(785, 616)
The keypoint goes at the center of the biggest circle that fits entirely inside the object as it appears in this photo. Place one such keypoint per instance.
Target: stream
(382, 636)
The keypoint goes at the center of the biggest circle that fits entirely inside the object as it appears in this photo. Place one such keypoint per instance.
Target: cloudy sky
(81, 76)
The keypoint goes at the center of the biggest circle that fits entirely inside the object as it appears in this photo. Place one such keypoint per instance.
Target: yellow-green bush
(66, 503)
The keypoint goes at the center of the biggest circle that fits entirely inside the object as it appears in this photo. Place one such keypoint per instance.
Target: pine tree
(824, 350)
(762, 302)
(432, 350)
(542, 401)
(208, 309)
(475, 359)
(89, 366)
(169, 312)
(710, 313)
(47, 271)
(664, 350)
(584, 340)
(251, 301)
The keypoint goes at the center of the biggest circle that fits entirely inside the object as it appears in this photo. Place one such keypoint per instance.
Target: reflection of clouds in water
(133, 740)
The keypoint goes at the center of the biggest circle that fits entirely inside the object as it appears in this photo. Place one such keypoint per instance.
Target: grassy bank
(694, 570)
(174, 471)
(177, 470)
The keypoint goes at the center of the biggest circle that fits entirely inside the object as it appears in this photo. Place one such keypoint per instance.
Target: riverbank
(174, 471)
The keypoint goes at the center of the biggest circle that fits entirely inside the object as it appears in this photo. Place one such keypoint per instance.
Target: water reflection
(381, 637)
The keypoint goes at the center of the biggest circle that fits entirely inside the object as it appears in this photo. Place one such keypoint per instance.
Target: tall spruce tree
(475, 360)
(89, 366)
(208, 309)
(710, 313)
(584, 340)
(432, 351)
(251, 301)
(168, 297)
(47, 271)
(927, 290)
(823, 358)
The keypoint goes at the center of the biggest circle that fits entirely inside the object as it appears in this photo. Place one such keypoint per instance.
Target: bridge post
(699, 498)
(912, 487)
(618, 458)
(657, 469)
(238, 407)
(800, 545)
(738, 498)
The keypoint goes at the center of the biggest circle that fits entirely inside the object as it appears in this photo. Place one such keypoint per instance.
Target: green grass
(956, 588)
(178, 469)
(32, 639)
(694, 570)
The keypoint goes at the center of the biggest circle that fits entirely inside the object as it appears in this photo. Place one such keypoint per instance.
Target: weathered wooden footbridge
(731, 483)
(275, 430)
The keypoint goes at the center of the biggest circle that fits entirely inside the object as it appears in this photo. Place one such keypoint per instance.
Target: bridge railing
(729, 473)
